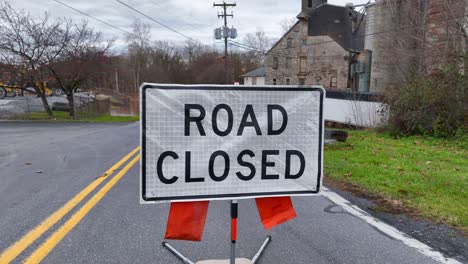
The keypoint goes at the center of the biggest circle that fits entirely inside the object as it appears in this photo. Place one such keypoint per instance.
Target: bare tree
(138, 49)
(192, 50)
(43, 49)
(24, 42)
(260, 44)
(420, 36)
(79, 52)
(447, 33)
(287, 23)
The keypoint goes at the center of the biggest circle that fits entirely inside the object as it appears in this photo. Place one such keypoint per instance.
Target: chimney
(308, 6)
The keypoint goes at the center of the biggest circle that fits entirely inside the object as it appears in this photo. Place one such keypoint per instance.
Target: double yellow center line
(44, 249)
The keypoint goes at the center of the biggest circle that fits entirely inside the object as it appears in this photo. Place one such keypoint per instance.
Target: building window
(303, 65)
(288, 81)
(254, 80)
(318, 80)
(287, 63)
(289, 43)
(301, 81)
(309, 3)
(334, 82)
(275, 63)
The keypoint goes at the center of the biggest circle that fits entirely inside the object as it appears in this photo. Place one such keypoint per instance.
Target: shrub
(434, 104)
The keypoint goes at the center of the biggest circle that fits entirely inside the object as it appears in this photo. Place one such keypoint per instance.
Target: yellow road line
(16, 249)
(57, 236)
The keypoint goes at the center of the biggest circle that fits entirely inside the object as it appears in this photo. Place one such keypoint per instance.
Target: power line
(95, 18)
(234, 43)
(161, 24)
(188, 26)
(245, 46)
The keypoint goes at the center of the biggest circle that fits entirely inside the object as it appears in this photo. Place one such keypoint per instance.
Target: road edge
(386, 228)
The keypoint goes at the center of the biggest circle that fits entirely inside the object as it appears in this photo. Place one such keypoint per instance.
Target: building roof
(260, 72)
(338, 22)
(284, 35)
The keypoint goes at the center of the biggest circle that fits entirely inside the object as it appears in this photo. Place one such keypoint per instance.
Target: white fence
(353, 112)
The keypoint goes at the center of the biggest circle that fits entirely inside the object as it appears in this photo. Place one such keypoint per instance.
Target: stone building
(300, 59)
(396, 40)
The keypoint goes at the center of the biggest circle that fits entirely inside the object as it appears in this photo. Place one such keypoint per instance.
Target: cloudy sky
(194, 18)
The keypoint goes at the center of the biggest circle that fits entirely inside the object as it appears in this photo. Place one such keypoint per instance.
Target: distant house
(255, 77)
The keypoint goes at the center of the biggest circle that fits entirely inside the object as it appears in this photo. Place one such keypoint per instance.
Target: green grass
(64, 116)
(108, 118)
(430, 175)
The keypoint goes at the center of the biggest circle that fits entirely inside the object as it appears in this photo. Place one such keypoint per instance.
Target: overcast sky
(195, 18)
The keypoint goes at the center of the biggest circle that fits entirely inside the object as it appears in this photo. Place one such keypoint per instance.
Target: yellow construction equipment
(11, 90)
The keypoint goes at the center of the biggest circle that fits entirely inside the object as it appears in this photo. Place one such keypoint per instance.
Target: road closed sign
(204, 142)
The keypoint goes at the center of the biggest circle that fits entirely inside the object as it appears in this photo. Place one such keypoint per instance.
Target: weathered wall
(377, 21)
(393, 29)
(408, 37)
(326, 60)
(444, 39)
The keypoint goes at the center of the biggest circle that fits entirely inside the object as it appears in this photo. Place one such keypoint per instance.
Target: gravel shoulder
(451, 242)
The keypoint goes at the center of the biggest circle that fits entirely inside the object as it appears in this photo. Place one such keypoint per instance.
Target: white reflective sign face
(230, 142)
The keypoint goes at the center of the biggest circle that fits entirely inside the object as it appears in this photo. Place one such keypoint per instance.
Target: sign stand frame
(257, 193)
(234, 214)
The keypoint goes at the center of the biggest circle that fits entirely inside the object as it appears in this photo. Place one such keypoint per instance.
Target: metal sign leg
(177, 253)
(234, 214)
(261, 250)
(232, 259)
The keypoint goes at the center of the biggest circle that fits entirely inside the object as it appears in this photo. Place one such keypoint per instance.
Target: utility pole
(116, 71)
(226, 33)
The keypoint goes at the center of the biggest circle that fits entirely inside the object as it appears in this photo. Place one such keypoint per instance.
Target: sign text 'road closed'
(225, 142)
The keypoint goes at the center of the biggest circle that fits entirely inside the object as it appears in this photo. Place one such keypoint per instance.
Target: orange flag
(186, 220)
(275, 210)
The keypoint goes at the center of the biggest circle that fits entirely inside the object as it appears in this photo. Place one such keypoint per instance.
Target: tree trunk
(42, 93)
(71, 104)
(46, 104)
(465, 57)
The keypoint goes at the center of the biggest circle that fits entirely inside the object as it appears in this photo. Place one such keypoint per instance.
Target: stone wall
(323, 61)
(444, 39)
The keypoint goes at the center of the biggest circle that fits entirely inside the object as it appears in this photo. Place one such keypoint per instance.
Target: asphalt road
(44, 165)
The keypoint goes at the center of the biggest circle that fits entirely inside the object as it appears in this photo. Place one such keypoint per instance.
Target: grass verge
(64, 116)
(429, 175)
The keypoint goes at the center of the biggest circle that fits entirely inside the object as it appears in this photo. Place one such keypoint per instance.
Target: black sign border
(226, 88)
